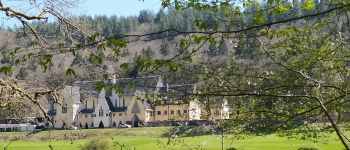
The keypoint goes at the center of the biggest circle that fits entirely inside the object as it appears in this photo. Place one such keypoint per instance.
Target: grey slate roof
(147, 84)
(86, 86)
(51, 112)
(87, 111)
(112, 108)
(88, 96)
(177, 92)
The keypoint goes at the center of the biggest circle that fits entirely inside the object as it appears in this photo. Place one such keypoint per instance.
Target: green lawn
(147, 138)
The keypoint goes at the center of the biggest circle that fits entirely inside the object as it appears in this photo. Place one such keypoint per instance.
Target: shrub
(96, 144)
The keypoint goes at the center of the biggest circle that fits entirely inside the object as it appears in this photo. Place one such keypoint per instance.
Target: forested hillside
(162, 45)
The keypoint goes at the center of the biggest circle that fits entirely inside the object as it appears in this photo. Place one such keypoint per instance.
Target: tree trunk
(334, 126)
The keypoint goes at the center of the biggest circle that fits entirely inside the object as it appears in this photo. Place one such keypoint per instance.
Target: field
(151, 138)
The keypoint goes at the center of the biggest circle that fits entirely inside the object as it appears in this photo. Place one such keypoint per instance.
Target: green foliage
(46, 61)
(308, 5)
(70, 72)
(5, 69)
(96, 144)
(99, 85)
(284, 69)
(124, 66)
(95, 59)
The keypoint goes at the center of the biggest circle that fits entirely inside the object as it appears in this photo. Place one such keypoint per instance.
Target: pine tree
(222, 49)
(164, 48)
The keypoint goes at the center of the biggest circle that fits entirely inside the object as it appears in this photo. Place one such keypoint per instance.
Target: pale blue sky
(86, 7)
(116, 7)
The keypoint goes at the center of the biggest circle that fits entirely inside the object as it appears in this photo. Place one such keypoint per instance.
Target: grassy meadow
(152, 138)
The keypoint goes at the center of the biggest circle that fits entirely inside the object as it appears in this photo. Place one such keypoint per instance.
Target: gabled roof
(112, 108)
(135, 108)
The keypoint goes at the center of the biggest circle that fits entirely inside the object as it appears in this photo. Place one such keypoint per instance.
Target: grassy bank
(151, 138)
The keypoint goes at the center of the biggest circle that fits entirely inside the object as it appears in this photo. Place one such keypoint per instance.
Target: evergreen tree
(148, 53)
(22, 74)
(164, 48)
(145, 16)
(212, 50)
(222, 49)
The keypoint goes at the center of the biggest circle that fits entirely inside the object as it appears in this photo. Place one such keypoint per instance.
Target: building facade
(126, 101)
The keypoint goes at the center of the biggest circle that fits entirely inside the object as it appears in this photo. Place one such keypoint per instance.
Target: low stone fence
(16, 127)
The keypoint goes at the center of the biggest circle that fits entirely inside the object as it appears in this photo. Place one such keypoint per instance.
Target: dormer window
(64, 108)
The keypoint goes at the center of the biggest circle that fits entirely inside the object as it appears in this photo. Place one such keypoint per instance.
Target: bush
(96, 144)
(192, 131)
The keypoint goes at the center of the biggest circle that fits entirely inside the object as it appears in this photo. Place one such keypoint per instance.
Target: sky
(116, 7)
(87, 7)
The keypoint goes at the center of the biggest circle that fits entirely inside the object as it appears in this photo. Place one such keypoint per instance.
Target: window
(85, 104)
(107, 114)
(123, 102)
(172, 112)
(93, 115)
(178, 112)
(113, 114)
(93, 104)
(100, 112)
(165, 112)
(159, 112)
(185, 111)
(120, 114)
(64, 108)
(86, 116)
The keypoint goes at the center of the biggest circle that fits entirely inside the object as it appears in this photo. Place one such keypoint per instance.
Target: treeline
(182, 20)
(187, 20)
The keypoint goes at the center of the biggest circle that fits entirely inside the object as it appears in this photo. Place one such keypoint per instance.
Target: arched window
(100, 112)
(64, 108)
